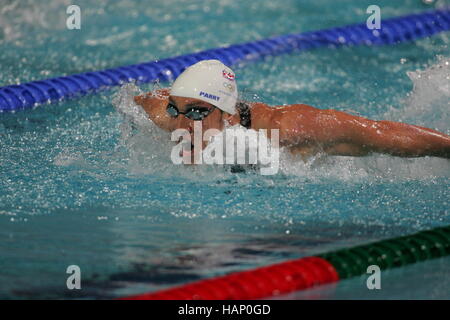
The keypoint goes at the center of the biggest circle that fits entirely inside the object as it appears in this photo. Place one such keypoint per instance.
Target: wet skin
(306, 130)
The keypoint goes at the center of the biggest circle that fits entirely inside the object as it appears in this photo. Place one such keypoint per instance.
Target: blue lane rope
(395, 30)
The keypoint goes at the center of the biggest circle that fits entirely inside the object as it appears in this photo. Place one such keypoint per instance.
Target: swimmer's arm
(339, 133)
(400, 139)
(155, 106)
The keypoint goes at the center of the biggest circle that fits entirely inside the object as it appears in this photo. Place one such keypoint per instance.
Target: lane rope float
(393, 31)
(304, 273)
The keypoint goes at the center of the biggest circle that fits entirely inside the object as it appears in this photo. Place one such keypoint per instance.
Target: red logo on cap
(228, 75)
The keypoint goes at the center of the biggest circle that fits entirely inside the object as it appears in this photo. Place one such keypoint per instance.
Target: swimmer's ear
(230, 118)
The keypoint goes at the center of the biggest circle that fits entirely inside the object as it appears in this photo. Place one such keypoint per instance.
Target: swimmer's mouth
(180, 140)
(186, 149)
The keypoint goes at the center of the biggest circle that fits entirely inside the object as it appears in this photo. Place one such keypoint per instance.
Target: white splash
(428, 104)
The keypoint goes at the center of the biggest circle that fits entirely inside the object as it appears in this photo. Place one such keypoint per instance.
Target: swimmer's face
(212, 120)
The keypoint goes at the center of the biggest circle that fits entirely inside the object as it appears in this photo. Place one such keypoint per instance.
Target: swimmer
(207, 92)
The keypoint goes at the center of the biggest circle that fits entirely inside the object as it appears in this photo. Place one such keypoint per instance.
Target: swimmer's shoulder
(260, 107)
(297, 107)
(279, 112)
(285, 107)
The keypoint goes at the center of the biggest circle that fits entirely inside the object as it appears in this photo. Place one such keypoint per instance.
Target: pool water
(80, 186)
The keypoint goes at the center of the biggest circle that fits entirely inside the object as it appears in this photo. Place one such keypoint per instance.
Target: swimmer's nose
(184, 123)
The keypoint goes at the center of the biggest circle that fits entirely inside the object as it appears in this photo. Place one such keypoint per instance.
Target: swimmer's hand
(155, 104)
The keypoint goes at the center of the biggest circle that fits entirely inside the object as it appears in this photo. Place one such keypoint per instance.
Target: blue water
(78, 187)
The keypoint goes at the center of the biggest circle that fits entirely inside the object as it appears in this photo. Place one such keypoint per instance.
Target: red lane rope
(258, 283)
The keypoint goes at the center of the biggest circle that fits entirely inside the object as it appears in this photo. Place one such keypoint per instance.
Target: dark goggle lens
(197, 114)
(172, 110)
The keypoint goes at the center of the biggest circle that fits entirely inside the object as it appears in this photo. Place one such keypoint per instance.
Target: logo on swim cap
(228, 75)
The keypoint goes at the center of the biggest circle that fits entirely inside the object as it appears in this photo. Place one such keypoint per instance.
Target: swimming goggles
(194, 113)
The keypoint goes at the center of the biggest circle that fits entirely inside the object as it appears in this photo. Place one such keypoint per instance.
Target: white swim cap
(210, 81)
